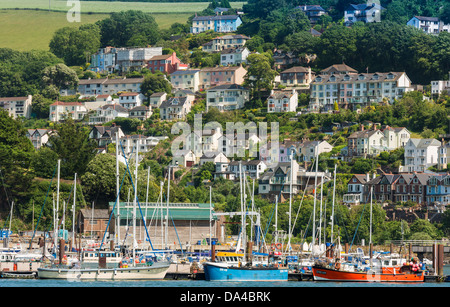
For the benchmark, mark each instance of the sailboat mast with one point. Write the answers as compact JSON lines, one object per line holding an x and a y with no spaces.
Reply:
{"x":210,"y":219}
{"x":167,"y":210}
{"x":320,"y":211}
{"x":73,"y":207}
{"x":57,"y":206}
{"x":276,"y":219}
{"x":332,"y":208}
{"x":242,"y":207}
{"x":161,"y":205}
{"x":315,"y":201}
{"x":370,"y":232}
{"x":290,"y":201}
{"x":134,"y":203}
{"x":117,"y":188}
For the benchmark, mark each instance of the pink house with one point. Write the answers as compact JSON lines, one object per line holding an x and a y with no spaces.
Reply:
{"x":167,"y":63}
{"x":214,"y":76}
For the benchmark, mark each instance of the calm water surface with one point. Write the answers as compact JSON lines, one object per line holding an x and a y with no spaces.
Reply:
{"x":6,"y":282}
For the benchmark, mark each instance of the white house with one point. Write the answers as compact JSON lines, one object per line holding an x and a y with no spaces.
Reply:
{"x":60,"y":110}
{"x":107,"y":113}
{"x":282,"y":101}
{"x":216,"y":157}
{"x":17,"y":106}
{"x":439,"y":86}
{"x":309,"y":149}
{"x":227,"y":97}
{"x":355,"y":189}
{"x":234,"y":56}
{"x":430,"y":25}
{"x":38,"y":137}
{"x":188,"y":79}
{"x":131,"y":100}
{"x":420,"y":154}
{"x":107,"y":86}
{"x":366,"y":12}
{"x":444,"y":156}
{"x":353,"y":90}
{"x":140,"y":112}
{"x":184,"y":158}
{"x":174,"y":108}
{"x":145,"y":143}
{"x":156,"y":99}
{"x":396,"y":137}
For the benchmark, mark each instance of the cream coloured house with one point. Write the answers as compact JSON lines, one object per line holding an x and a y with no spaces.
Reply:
{"x":227,"y":97}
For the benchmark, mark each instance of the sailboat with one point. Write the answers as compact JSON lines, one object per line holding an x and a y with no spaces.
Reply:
{"x":236,"y":266}
{"x":146,"y":270}
{"x":340,"y":271}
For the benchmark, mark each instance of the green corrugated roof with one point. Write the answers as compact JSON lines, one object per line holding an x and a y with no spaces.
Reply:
{"x":177,"y":211}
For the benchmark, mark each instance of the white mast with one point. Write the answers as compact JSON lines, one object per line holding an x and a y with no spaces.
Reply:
{"x":332,"y":209}
{"x":288,"y":247}
{"x":161,"y":202}
{"x":146,"y":200}
{"x":117,"y":188}
{"x":210,"y":219}
{"x":73,"y":207}
{"x":242,"y":206}
{"x":320,"y":210}
{"x":314,"y":207}
{"x":11,"y":215}
{"x":57,"y":206}
{"x":253,"y":208}
{"x":370,"y":233}
{"x":276,"y":219}
{"x":167,"y":210}
{"x":134,"y":203}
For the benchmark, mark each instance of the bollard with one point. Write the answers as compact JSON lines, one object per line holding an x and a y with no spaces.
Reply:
{"x":440,"y":257}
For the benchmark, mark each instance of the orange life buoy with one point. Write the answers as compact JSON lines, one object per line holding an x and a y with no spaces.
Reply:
{"x":278,"y":245}
{"x":337,"y":266}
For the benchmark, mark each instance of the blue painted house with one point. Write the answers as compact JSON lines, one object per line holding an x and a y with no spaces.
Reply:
{"x":438,"y":190}
{"x":216,"y":23}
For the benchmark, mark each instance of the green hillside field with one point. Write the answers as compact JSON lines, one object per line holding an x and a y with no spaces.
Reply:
{"x":27,"y":24}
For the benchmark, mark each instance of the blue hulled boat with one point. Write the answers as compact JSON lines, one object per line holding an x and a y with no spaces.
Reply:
{"x":231,"y":267}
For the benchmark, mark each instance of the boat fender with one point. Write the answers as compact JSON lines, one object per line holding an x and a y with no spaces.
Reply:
{"x":337,"y":266}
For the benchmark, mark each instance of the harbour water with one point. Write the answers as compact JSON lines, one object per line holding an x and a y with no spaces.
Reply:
{"x":7,"y":282}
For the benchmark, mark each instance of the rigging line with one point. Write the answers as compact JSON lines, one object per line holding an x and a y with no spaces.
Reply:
{"x":137,"y":200}
{"x":42,"y":208}
{"x":356,"y":230}
{"x":4,"y":187}
{"x":112,"y":211}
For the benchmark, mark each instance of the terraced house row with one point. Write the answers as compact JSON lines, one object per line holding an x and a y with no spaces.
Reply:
{"x":431,"y":190}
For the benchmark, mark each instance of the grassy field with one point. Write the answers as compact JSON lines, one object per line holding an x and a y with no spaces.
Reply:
{"x":24,"y":29}
{"x":107,"y":7}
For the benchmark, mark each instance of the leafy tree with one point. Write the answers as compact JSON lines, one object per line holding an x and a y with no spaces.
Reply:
{"x":127,"y":28}
{"x":41,"y":106}
{"x":72,"y":145}
{"x":259,"y":75}
{"x":16,"y":152}
{"x":76,"y":46}
{"x":154,"y":83}
{"x":99,"y":180}
{"x":60,"y":76}
{"x":44,"y":162}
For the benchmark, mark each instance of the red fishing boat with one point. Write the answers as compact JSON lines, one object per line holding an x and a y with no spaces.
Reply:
{"x":405,"y":273}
